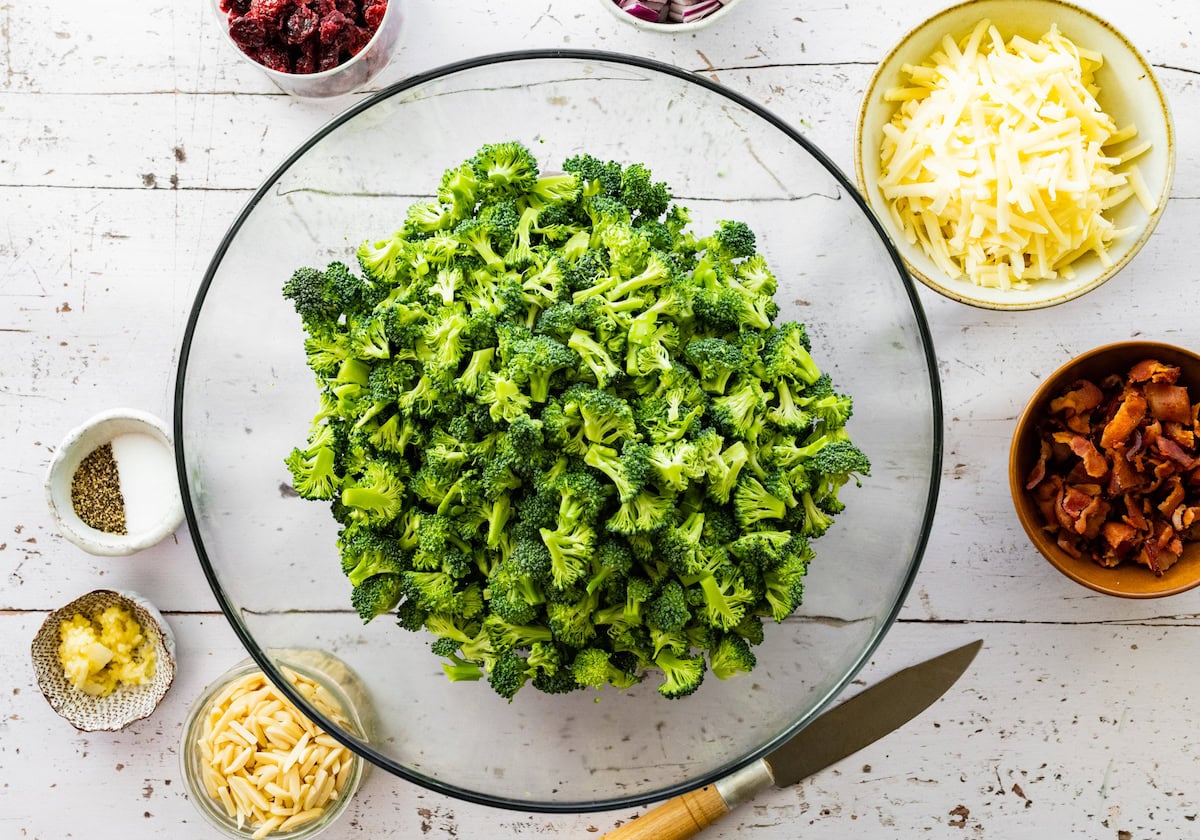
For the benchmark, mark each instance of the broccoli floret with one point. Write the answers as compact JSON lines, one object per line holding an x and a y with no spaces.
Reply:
{"x":755,"y":275}
{"x":571,"y":622}
{"x":593,"y":668}
{"x":570,"y":547}
{"x":641,"y":194}
{"x":738,"y":413}
{"x":715,"y":360}
{"x":595,"y":357}
{"x":733,"y":239}
{"x":312,"y":468}
{"x":784,"y":584}
{"x":460,"y":189}
{"x":725,"y":599}
{"x":507,"y":674}
{"x":322,"y":297}
{"x":607,"y":419}
{"x":377,"y":595}
{"x":411,"y":616}
{"x":834,"y":465}
{"x":669,"y":610}
{"x":682,"y":675}
{"x":643,"y":514}
{"x":629,"y":471}
{"x":535,"y":360}
{"x":730,"y":657}
{"x":597,"y":176}
{"x":366,"y":553}
{"x":787,"y":354}
{"x":507,"y":168}
{"x":611,"y":562}
{"x":753,"y":503}
{"x":375,"y":496}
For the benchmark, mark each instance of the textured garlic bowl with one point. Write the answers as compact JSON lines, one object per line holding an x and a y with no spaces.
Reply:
{"x":127,"y":703}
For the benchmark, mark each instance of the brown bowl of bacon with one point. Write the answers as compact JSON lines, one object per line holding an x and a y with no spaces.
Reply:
{"x":1105,"y":473}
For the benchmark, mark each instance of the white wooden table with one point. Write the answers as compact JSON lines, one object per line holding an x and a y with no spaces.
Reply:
{"x":129,"y":138}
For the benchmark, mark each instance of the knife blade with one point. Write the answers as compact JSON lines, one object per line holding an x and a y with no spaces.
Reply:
{"x":840,"y":732}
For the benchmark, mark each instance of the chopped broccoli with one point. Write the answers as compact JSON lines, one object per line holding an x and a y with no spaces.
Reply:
{"x":561,"y":432}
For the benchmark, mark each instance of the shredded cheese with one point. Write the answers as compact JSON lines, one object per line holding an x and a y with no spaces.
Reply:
{"x":268,"y":765}
{"x":1000,"y":163}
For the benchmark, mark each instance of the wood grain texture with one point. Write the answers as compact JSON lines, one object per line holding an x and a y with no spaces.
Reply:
{"x":129,"y":139}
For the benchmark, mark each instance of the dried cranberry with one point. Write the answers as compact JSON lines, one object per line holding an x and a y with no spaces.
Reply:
{"x":373,"y":14}
{"x":358,"y":38}
{"x":328,"y":56}
{"x":300,"y":25}
{"x":350,"y":8}
{"x":324,"y":7}
{"x":306,"y":57}
{"x":332,"y":25}
{"x":275,"y":58}
{"x":270,"y":10}
{"x":247,"y":32}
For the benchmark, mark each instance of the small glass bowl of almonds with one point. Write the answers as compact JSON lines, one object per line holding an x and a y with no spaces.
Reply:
{"x":256,"y":766}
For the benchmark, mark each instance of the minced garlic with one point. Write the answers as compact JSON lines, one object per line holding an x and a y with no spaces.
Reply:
{"x":99,"y":653}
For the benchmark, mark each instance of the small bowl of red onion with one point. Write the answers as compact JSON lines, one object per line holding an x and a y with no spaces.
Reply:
{"x":675,"y":16}
{"x":312,"y":48}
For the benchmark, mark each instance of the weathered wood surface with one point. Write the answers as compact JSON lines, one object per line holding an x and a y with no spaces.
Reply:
{"x":130,"y":136}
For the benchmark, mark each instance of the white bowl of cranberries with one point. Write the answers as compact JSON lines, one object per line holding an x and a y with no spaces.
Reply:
{"x":315,"y":48}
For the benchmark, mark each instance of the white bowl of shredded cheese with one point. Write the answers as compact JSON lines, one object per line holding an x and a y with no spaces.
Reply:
{"x":1018,"y":152}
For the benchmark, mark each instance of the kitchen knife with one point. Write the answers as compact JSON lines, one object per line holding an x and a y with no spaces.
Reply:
{"x":843,"y":730}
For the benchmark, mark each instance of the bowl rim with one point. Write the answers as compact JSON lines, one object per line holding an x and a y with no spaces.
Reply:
{"x":940,"y":285}
{"x":734,"y":763}
{"x":1023,"y":427}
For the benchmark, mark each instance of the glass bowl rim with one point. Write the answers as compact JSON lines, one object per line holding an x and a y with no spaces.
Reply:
{"x":391,"y":765}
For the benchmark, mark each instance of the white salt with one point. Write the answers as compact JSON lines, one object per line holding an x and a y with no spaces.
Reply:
{"x":146,"y":470}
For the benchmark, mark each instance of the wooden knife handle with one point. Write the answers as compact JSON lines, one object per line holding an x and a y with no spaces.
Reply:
{"x":675,"y":819}
{"x":691,"y":813}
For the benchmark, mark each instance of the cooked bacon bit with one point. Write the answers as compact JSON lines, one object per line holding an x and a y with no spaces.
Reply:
{"x":1039,"y":469}
{"x":1119,"y":535}
{"x":1181,"y":434}
{"x":1123,"y":477}
{"x":1093,"y":462}
{"x":1175,"y":452}
{"x":1152,"y":370}
{"x":1127,"y":419}
{"x":1185,"y":517}
{"x":1117,"y":476}
{"x":1169,"y":402}
{"x":1174,"y":497}
{"x":1076,"y":406}
{"x":1133,"y":513}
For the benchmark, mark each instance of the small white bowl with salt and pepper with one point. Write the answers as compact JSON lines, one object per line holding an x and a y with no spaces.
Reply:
{"x":112,"y":485}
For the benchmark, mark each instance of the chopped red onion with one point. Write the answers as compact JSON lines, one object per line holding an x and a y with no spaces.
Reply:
{"x":681,"y":13}
{"x":672,"y":11}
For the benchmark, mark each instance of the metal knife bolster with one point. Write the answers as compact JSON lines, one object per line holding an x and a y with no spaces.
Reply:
{"x":745,"y":784}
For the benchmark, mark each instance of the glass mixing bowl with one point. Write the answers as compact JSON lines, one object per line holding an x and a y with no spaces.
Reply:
{"x":244,"y":397}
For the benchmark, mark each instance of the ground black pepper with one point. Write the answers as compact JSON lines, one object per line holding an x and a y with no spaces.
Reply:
{"x":96,"y":491}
